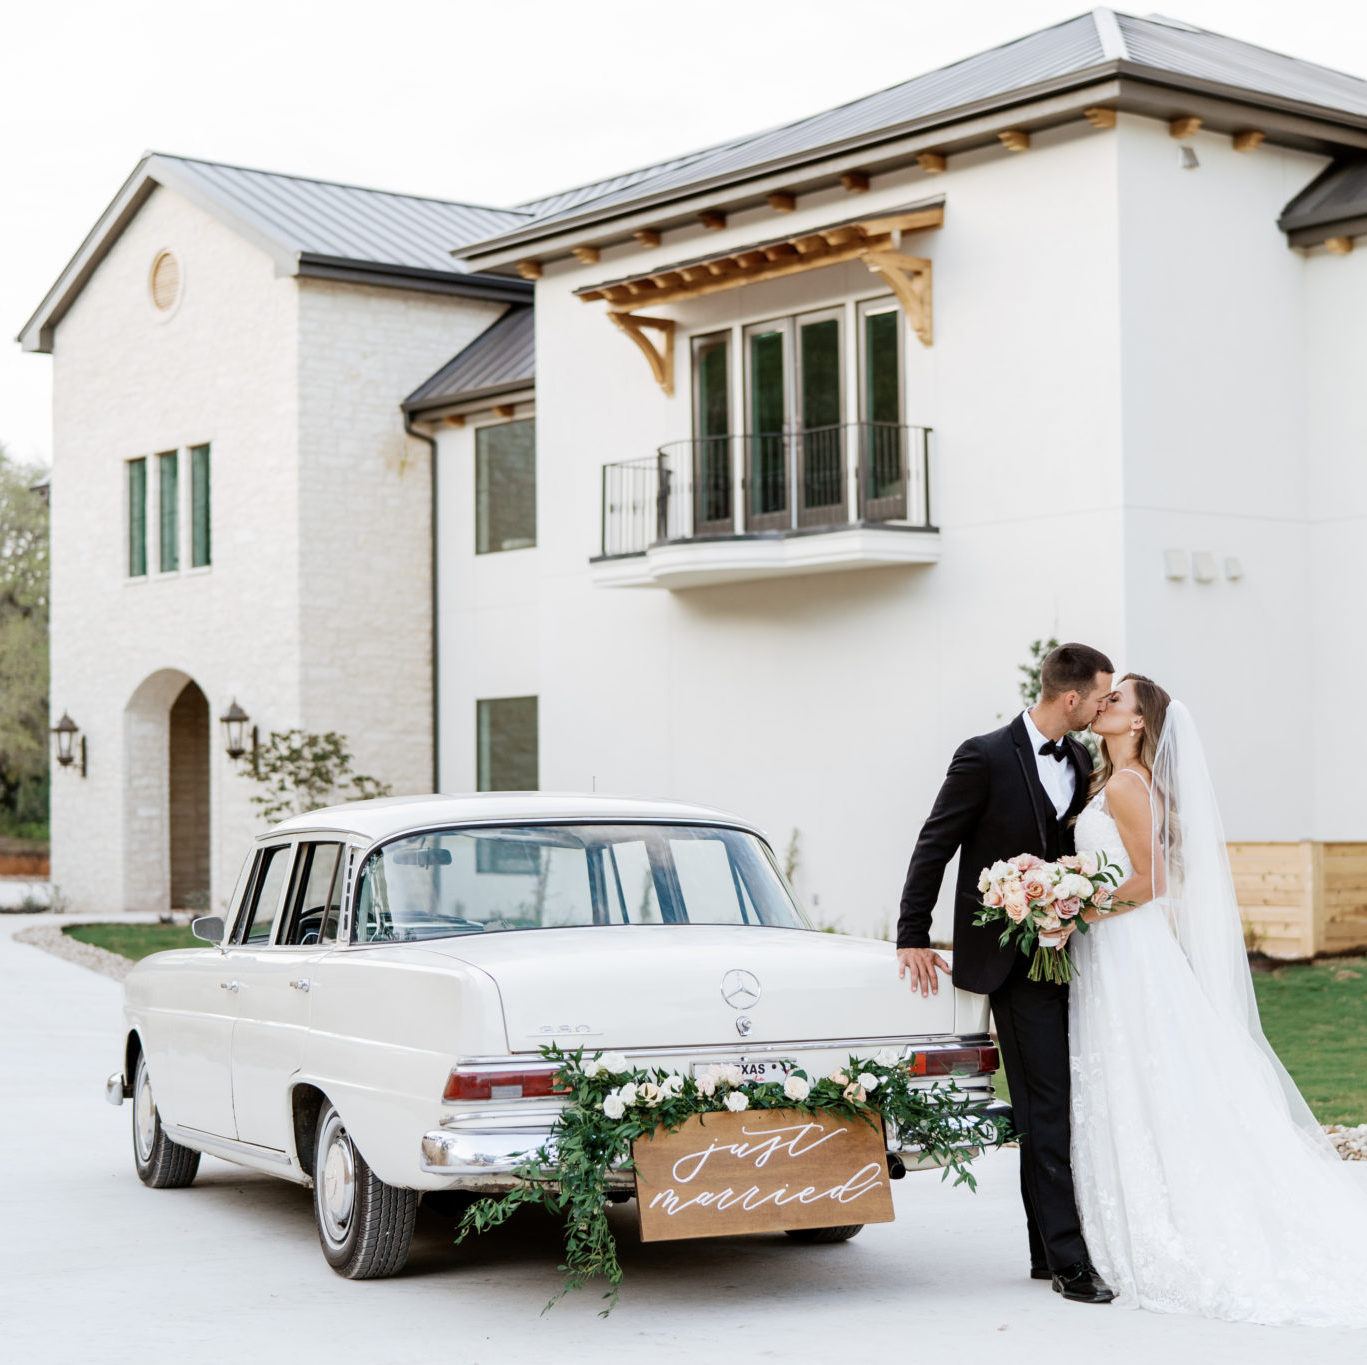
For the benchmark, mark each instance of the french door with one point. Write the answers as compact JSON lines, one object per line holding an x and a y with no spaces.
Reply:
{"x":794,"y":452}
{"x":713,"y":512}
{"x":883,"y":466}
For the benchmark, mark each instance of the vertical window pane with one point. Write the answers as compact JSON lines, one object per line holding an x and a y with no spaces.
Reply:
{"x":168,"y":492}
{"x":508,"y":743}
{"x":712,"y":426}
{"x":270,"y":886}
{"x":137,"y":518}
{"x":714,"y":397}
{"x":505,"y":487}
{"x":883,"y":395}
{"x":199,"y":506}
{"x":821,"y":374}
{"x":768,"y":404}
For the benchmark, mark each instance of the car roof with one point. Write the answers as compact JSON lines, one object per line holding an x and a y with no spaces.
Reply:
{"x":390,"y":815}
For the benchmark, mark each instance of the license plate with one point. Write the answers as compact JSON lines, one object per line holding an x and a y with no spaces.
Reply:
{"x":752,"y":1071}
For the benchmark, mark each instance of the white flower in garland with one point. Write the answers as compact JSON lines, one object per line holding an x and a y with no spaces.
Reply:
{"x":868,"y":1080}
{"x":613,"y":1061}
{"x":628,"y":1093}
{"x":613,"y":1106}
{"x":797,"y":1087}
{"x":736,"y":1101}
{"x":672,"y":1085}
{"x":887,"y":1056}
{"x":707,"y":1085}
{"x":649,"y":1094}
{"x":732,"y":1074}
{"x":592,"y":1067}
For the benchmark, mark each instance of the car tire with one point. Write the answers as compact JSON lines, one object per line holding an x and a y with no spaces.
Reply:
{"x":815,"y":1235}
{"x":365,"y":1227}
{"x":162,"y":1164}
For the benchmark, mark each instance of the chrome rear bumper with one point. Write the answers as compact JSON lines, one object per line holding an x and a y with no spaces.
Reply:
{"x":489,"y":1160}
{"x":116,"y":1089}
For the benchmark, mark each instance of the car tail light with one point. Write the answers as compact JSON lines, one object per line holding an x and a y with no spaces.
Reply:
{"x":502,"y":1085}
{"x":966,"y":1061}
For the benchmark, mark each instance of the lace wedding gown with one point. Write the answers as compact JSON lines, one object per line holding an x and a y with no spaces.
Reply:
{"x":1197,"y":1191}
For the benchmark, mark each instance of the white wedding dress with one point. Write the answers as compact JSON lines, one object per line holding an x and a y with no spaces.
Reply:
{"x":1200,"y":1184}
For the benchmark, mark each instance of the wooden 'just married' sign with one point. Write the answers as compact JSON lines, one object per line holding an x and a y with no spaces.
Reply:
{"x":762,"y":1170}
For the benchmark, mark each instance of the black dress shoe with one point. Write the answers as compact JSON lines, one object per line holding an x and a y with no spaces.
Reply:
{"x":1041,"y":1272}
{"x":1082,"y":1284}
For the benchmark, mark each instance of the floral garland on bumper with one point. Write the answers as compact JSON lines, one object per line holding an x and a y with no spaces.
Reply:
{"x":609,"y":1104}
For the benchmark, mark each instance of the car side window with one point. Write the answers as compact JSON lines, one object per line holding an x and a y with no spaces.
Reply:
{"x":315,"y":895}
{"x":266,"y":896}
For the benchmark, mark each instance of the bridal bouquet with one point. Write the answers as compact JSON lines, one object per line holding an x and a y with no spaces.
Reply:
{"x":1036,"y":899}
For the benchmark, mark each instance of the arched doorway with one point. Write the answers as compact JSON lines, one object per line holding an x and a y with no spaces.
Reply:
{"x":166,"y":794}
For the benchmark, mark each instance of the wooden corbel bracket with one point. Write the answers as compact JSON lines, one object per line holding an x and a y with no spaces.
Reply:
{"x":909,"y":279}
{"x":659,"y":357}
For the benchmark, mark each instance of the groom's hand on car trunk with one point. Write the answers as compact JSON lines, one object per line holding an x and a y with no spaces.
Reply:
{"x":922,"y":963}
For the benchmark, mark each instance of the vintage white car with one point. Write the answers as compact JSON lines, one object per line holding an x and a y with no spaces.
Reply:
{"x":369,"y":1019}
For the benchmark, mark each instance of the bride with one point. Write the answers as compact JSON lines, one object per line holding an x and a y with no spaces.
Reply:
{"x":1203,"y":1182}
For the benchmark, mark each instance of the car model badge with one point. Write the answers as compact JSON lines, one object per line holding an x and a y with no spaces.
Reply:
{"x":740,"y":989}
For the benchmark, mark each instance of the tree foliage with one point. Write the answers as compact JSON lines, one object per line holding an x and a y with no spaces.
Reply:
{"x":23,"y":645}
{"x":299,"y":771}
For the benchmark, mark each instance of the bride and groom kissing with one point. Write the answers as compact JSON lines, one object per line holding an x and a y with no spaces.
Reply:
{"x":1166,"y":1157}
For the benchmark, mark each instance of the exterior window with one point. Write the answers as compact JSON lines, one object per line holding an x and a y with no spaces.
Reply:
{"x":507,"y":742}
{"x":137,"y":518}
{"x":267,"y":894}
{"x":199,"y":507}
{"x":316,"y":904}
{"x":882,"y":454}
{"x":712,"y":427}
{"x":169,"y":502}
{"x":505,"y":487}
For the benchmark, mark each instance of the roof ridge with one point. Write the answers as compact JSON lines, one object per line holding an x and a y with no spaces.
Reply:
{"x":335,"y":184}
{"x":1109,"y":34}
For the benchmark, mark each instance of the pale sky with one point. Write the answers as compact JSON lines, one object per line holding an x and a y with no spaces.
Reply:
{"x":488,"y":103}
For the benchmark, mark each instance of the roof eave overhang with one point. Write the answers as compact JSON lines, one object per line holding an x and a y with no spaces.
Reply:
{"x":1308,"y":234}
{"x":494,"y":288}
{"x":1124,"y":85}
{"x":472,"y":401}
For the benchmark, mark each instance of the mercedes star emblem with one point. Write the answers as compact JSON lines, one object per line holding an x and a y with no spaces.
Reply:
{"x":740,"y":989}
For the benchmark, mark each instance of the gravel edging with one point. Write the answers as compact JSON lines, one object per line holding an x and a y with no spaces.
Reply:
{"x":1351,"y":1143}
{"x":51,"y":939}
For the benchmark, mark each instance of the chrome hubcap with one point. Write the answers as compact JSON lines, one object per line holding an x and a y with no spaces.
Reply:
{"x":144,"y":1115}
{"x":337,"y":1182}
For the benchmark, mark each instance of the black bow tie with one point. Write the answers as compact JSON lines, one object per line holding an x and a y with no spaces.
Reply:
{"x":1055,"y":748}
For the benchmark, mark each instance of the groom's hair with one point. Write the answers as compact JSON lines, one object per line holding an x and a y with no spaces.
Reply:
{"x":1071,"y":668}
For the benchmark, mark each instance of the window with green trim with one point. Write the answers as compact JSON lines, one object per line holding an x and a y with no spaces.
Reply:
{"x":199,"y":507}
{"x":137,"y":518}
{"x":168,"y":492}
{"x":507,"y":743}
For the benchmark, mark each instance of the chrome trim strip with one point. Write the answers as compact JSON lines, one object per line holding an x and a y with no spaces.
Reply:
{"x":229,"y":1148}
{"x":925,"y":1042}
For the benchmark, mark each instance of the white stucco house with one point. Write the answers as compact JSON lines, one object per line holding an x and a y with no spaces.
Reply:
{"x":759,"y":493}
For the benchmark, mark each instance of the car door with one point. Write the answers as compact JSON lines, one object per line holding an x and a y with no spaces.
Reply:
{"x":276,"y":975}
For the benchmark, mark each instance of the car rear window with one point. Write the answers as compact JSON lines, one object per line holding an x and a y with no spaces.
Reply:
{"x":518,"y":877}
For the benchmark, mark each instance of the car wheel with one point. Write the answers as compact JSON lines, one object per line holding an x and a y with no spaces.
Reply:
{"x":364,"y":1225}
{"x":161,"y":1163}
{"x":842,"y":1234}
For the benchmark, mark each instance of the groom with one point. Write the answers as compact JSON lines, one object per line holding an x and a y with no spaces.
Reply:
{"x":1017,"y":790}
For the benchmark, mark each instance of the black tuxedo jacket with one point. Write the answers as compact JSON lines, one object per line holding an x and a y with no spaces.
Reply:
{"x":992,"y":805}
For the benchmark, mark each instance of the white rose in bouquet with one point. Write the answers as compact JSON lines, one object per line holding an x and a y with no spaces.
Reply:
{"x":649,"y":1094}
{"x":613,"y":1061}
{"x":868,"y":1080}
{"x":887,"y":1056}
{"x":628,"y":1093}
{"x":613,"y":1106}
{"x":592,"y":1067}
{"x":672,"y":1085}
{"x":1074,"y":884}
{"x":796,"y":1087}
{"x":1087,"y":864}
{"x":736,"y":1101}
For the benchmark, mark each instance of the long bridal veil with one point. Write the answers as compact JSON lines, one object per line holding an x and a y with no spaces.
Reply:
{"x":1197,"y":889}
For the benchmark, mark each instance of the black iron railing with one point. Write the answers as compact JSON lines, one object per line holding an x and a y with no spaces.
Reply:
{"x":815,"y":479}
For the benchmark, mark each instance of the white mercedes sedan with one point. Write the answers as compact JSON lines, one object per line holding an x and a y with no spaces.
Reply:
{"x":369,"y":1018}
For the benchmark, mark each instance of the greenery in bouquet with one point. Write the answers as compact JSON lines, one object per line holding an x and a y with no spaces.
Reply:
{"x":609,"y":1104}
{"x":1038,"y":900}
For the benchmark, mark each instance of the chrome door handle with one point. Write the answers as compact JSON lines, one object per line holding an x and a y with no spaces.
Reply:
{"x":301,"y":985}
{"x":228,"y":985}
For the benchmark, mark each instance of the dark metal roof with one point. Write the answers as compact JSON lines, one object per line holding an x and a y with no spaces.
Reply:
{"x":1074,"y":53}
{"x":1333,"y":204}
{"x":308,"y":227}
{"x":501,"y":359}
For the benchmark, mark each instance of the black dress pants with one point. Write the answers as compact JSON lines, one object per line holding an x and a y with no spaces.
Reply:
{"x":1032,"y":1028}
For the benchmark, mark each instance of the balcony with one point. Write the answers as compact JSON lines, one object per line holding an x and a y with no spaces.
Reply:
{"x":725,"y":509}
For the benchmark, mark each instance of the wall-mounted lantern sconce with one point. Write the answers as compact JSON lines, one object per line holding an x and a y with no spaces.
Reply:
{"x":237,"y":739}
{"x":68,"y":751}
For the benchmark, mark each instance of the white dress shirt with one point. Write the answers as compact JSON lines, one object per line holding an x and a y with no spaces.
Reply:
{"x":1059,"y":779}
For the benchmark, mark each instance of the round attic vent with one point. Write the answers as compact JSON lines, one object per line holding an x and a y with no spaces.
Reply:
{"x":165,"y":281}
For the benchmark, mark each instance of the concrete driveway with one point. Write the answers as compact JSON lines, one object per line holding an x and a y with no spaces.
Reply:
{"x":97,"y":1268}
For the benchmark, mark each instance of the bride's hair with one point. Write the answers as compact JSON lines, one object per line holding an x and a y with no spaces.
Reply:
{"x":1151,"y":702}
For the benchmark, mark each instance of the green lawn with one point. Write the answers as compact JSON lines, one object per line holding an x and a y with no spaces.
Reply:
{"x":135,"y":940}
{"x":1316,"y":1018}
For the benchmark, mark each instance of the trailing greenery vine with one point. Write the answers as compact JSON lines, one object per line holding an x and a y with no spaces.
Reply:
{"x":609,"y":1104}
